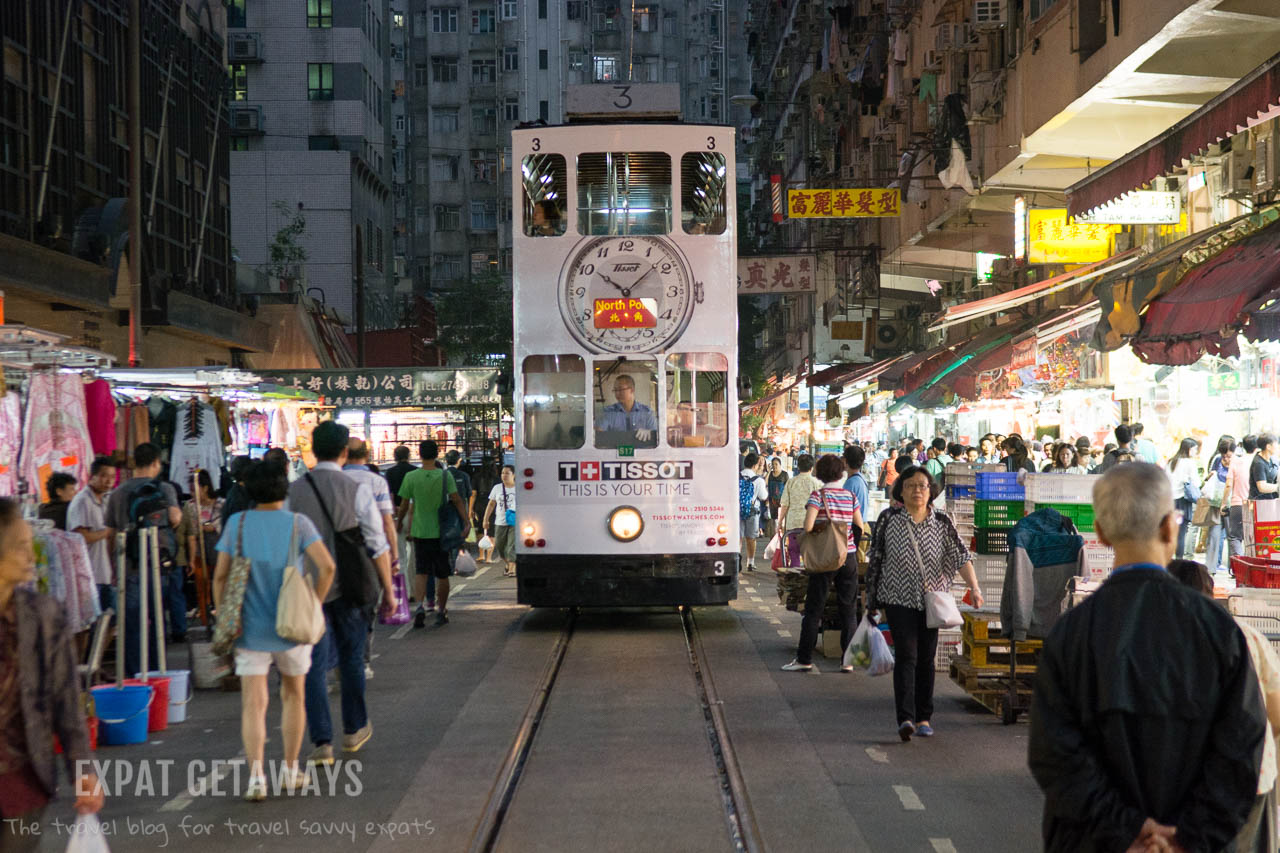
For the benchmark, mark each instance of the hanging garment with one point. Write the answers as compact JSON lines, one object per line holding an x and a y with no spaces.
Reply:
{"x":100,"y":409}
{"x":225,"y":423}
{"x":10,"y":443}
{"x":1045,"y":552}
{"x":55,"y":436}
{"x":197,"y":444}
{"x":164,"y":415}
{"x":63,"y":571}
{"x":284,"y":427}
{"x":256,"y":430}
{"x":957,"y":172}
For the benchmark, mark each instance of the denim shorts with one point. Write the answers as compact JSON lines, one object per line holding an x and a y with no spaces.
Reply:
{"x":750,"y":527}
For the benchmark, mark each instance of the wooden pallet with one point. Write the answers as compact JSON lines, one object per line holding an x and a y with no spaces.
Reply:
{"x":995,"y":654}
{"x":990,"y":691}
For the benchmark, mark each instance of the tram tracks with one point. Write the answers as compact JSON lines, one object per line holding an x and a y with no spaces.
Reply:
{"x":743,"y":833}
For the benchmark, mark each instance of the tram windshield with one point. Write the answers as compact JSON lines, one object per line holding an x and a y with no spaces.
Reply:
{"x":545,"y":180}
{"x":703,"y":175}
{"x":555,"y":407}
{"x":626,"y":401}
{"x":624,"y":193}
{"x":697,"y":410}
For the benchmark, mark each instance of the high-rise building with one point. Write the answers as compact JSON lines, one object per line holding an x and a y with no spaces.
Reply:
{"x":311,"y":128}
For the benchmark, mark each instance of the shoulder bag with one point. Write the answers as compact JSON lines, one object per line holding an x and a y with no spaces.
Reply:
{"x":510,"y":514}
{"x":940,"y":610}
{"x":357,"y":578}
{"x":449,"y":521}
{"x":824,"y":548}
{"x":299,"y":614}
{"x":230,"y":626}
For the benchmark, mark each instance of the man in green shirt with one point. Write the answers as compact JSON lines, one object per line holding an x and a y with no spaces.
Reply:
{"x":423,"y":494}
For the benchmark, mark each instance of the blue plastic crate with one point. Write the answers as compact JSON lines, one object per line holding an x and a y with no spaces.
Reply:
{"x":965,"y":491}
{"x":999,"y":486}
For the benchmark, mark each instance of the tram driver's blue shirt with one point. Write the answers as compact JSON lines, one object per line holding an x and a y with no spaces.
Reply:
{"x":616,"y":418}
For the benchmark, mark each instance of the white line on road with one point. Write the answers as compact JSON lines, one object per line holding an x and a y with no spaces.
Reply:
{"x":460,"y":587}
{"x":774,"y":620}
{"x":783,"y":633}
{"x":757,"y":598}
{"x":910,"y":801}
{"x":480,"y":572}
{"x":198,"y":788}
{"x":942,"y":845}
{"x":401,"y":631}
{"x":879,"y":756}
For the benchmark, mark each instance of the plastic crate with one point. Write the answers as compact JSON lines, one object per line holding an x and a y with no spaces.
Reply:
{"x":1099,"y":559}
{"x":991,"y":540}
{"x":948,"y":649}
{"x":955,"y":490}
{"x":999,"y":486}
{"x":1080,"y":514}
{"x":997,"y":513}
{"x":990,"y":569}
{"x":1060,"y":488}
{"x":1255,"y":572}
{"x":960,"y":508}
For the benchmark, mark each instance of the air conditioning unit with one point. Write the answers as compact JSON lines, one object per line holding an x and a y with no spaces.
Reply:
{"x":245,"y":47}
{"x":1239,"y":165}
{"x":990,"y":13}
{"x":246,"y":120}
{"x":933,"y":60}
{"x":1266,"y":156}
{"x":890,"y":336}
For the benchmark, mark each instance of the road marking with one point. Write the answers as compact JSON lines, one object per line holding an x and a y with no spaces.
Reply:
{"x":460,"y":587}
{"x":401,"y":631}
{"x":198,"y":788}
{"x":942,"y":845}
{"x":774,"y":620}
{"x":879,"y":756}
{"x":480,"y":572}
{"x":757,"y":598}
{"x":910,"y":801}
{"x":783,"y":633}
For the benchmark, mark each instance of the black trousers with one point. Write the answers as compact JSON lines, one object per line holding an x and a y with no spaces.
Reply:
{"x":915,"y":645}
{"x":815,"y":602}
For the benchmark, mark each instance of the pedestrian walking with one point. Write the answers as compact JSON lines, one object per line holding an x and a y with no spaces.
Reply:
{"x":39,"y":695}
{"x":425,"y":492}
{"x":753,"y":494}
{"x":888,"y":471}
{"x":794,"y":506}
{"x":201,"y":525}
{"x":1237,"y":493}
{"x":502,"y":510}
{"x":339,"y":506}
{"x":1018,"y":457}
{"x":776,"y":485}
{"x":1151,"y":740}
{"x":61,"y":488}
{"x":1263,"y":470}
{"x":1213,"y":505}
{"x":1144,"y":449}
{"x":359,"y":469}
{"x":466,"y":490}
{"x":830,"y":503}
{"x":237,"y":499}
{"x":855,"y":482}
{"x":1185,"y":479}
{"x":274,"y":540}
{"x":87,"y":515}
{"x":404,"y":543}
{"x":915,"y":550}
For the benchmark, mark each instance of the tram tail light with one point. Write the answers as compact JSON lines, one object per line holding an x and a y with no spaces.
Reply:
{"x":711,"y":540}
{"x":528,"y":484}
{"x":724,"y":528}
{"x":542,"y":543}
{"x":528,"y":530}
{"x":626,"y":523}
{"x":528,"y":543}
{"x":528,"y":472}
{"x":724,"y":541}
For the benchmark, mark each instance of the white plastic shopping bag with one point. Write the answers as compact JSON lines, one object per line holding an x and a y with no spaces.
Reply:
{"x":868,"y":649}
{"x":485,"y":543}
{"x":465,"y":565}
{"x":771,"y":549}
{"x":881,"y":655}
{"x":87,"y":836}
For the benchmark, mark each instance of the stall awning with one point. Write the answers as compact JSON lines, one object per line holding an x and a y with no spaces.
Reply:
{"x":857,"y":373}
{"x":1250,"y":100}
{"x":831,"y":374}
{"x":895,"y":375}
{"x":1005,"y":301}
{"x":773,"y":395}
{"x":1210,"y":305}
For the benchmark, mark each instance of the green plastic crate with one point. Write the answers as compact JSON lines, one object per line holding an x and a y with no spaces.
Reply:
{"x":991,"y":540}
{"x":1080,"y":514}
{"x":997,"y":513}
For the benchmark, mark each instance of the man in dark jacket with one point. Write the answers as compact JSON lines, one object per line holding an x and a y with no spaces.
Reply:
{"x":1147,"y":721}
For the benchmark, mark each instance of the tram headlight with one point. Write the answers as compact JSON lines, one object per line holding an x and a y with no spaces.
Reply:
{"x":625,"y":523}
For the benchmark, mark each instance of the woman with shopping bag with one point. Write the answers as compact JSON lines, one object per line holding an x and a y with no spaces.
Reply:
{"x":832,"y":525}
{"x":1210,"y":508}
{"x":915,"y":555}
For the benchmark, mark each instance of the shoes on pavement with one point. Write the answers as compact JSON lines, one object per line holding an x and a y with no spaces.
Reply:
{"x":322,"y":754}
{"x":420,"y":619}
{"x":353,"y":742}
{"x":924,"y":730}
{"x":294,"y":782}
{"x":442,"y":618}
{"x":368,"y":672}
{"x":257,"y":790}
{"x":906,"y":730}
{"x":431,"y":606}
{"x":846,"y":668}
{"x":796,"y":666}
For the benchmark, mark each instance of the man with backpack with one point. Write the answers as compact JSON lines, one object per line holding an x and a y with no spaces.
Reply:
{"x":752,"y":493}
{"x":143,"y":502}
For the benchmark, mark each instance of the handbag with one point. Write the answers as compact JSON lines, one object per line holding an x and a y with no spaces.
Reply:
{"x":1201,"y":516}
{"x":299,"y":614}
{"x":398,"y":615}
{"x":357,"y":579}
{"x":510,"y":513}
{"x":824,"y":548}
{"x":940,"y":610}
{"x":1190,"y":491}
{"x":449,"y":520}
{"x":230,"y":626}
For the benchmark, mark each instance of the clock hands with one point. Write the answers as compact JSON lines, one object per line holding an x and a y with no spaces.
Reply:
{"x":626,"y":291}
{"x":653,"y":267}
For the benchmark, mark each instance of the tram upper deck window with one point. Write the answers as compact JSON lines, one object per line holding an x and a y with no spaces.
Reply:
{"x":545,"y":180}
{"x":626,"y":400}
{"x":703,"y":177}
{"x":697,"y":407}
{"x":624,"y":193}
{"x":555,"y":402}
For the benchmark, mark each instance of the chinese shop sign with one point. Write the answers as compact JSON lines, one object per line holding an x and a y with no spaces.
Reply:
{"x":842,"y":203}
{"x":388,"y":388}
{"x":778,"y":274}
{"x":1055,"y":240}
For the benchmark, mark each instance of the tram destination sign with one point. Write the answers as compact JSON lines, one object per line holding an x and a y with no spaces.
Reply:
{"x":387,"y":388}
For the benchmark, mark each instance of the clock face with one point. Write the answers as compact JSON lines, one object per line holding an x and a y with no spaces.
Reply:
{"x":626,"y":294}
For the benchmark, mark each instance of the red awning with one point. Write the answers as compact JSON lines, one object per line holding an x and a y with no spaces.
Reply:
{"x":1237,"y":108}
{"x":770,"y":397}
{"x":830,"y":374}
{"x":858,"y":373}
{"x":1207,"y":309}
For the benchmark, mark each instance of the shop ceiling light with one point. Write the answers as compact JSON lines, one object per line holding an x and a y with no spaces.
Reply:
{"x":626,"y":524}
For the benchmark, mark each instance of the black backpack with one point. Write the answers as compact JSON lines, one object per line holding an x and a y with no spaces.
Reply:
{"x":149,"y":507}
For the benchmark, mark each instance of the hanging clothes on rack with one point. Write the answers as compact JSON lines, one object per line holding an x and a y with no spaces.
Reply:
{"x":256,"y":429}
{"x":63,"y":571}
{"x":225,"y":421}
{"x":100,"y":410}
{"x":164,"y":424}
{"x":133,"y":427}
{"x":198,"y":444}
{"x":55,"y":436}
{"x":284,"y":427}
{"x":10,"y":442}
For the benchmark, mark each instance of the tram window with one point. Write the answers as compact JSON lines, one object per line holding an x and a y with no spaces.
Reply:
{"x":703,"y":176}
{"x":545,"y":179}
{"x":697,"y":411}
{"x":624,"y":193}
{"x":626,"y":402}
{"x":555,"y":402}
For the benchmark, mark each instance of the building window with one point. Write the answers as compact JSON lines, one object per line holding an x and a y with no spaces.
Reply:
{"x":511,"y":109}
{"x":397,"y":20}
{"x":419,"y":24}
{"x":542,"y":60}
{"x":444,"y":167}
{"x":448,"y":217}
{"x":400,"y":123}
{"x":444,"y":19}
{"x":444,"y":69}
{"x":484,"y":119}
{"x":645,"y":19}
{"x":483,"y":167}
{"x":320,"y":13}
{"x":236,"y":13}
{"x":669,"y":25}
{"x":574,"y":10}
{"x":511,"y":59}
{"x":444,"y":119}
{"x":483,"y":262}
{"x":322,"y":143}
{"x":420,"y":220}
{"x":542,"y":9}
{"x":239,"y":81}
{"x":544,"y":110}
{"x":577,"y":61}
{"x":239,"y":143}
{"x":606,"y":69}
{"x":446,"y":268}
{"x":648,"y":69}
{"x":421,"y":74}
{"x":1039,"y":7}
{"x":484,"y":216}
{"x":482,"y":21}
{"x":319,"y":81}
{"x":483,"y":70}
{"x":509,"y":9}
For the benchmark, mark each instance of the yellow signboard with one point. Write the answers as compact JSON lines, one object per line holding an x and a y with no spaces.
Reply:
{"x":842,"y":203}
{"x":1054,"y":240}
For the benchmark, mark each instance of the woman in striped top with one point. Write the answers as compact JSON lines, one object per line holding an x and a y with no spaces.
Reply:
{"x":830,"y":503}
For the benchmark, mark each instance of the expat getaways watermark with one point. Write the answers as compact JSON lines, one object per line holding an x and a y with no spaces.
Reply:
{"x":166,"y":777}
{"x":160,"y":833}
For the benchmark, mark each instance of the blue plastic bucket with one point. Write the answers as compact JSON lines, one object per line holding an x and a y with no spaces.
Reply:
{"x":179,"y":691}
{"x":122,"y":713}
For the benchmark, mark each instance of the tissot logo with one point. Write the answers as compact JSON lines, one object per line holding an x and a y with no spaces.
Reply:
{"x":615,"y":471}
{"x":626,"y":267}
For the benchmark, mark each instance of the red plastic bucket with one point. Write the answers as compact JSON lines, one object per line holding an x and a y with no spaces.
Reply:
{"x":158,"y":718}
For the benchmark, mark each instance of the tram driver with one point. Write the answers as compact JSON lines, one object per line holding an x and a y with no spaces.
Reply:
{"x":627,"y":419}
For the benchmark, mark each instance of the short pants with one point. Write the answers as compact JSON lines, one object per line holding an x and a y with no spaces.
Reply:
{"x":750,"y":527}
{"x":294,"y":661}
{"x":428,"y":559}
{"x":504,"y":542}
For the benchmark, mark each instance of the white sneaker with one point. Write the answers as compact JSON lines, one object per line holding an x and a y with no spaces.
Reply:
{"x":368,"y":672}
{"x":257,"y":790}
{"x":796,"y":666}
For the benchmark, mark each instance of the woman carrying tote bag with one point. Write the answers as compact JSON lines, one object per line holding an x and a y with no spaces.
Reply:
{"x":915,"y":551}
{"x":830,"y":507}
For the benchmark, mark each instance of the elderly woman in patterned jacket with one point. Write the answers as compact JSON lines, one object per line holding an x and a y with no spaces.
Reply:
{"x":915,"y":548}
{"x":39,"y":695}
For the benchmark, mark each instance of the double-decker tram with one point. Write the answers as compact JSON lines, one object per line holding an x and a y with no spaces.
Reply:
{"x":625,"y":361}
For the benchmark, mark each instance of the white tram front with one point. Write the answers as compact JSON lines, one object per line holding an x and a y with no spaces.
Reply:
{"x":625,"y":364}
